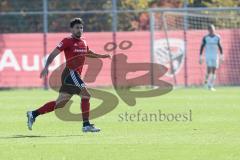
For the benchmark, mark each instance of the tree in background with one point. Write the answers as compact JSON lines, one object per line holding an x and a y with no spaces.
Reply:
{"x":95,"y":22}
{"x":214,"y":3}
{"x":218,"y":3}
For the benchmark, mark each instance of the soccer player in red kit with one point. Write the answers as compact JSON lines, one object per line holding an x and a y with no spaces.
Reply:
{"x":75,"y":49}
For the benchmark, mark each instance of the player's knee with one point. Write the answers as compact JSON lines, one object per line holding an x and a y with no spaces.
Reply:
{"x":61,"y":104}
{"x":62,"y":101}
{"x":85,"y":94}
{"x":213,"y":70}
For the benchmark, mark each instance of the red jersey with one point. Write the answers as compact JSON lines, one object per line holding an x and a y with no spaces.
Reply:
{"x":75,"y":51}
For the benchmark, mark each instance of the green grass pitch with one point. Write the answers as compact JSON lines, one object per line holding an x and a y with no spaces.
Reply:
{"x":213,"y":133}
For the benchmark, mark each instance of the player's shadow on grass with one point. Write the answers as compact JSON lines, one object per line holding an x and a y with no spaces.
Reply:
{"x":35,"y":136}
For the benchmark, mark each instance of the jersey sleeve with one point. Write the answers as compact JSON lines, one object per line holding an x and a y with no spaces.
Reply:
{"x":87,"y":49}
{"x":86,"y":44}
{"x":219,"y":39}
{"x":204,"y":40}
{"x":62,"y":45}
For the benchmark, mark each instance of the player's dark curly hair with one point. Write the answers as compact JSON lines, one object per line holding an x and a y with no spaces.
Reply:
{"x":75,"y":21}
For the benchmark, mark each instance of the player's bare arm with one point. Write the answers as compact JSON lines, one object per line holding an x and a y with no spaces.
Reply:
{"x":201,"y":51}
{"x":92,"y":54}
{"x":51,"y":57}
{"x":221,"y":51}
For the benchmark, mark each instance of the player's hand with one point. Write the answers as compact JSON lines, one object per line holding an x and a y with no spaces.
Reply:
{"x":200,"y":60}
{"x":44,"y":72}
{"x":221,"y":59}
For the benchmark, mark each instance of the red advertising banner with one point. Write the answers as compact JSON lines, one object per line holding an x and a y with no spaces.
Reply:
{"x":21,"y":56}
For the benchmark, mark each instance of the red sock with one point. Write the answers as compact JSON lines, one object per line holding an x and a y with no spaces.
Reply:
{"x":48,"y":107}
{"x":85,"y":106}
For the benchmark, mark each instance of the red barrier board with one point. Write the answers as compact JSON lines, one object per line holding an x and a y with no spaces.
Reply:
{"x":21,"y":56}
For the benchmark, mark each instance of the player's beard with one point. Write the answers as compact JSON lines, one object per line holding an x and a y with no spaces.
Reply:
{"x":78,"y":35}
